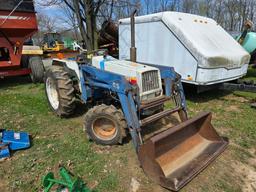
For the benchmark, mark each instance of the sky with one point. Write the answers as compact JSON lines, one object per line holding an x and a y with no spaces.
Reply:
{"x":50,"y":10}
{"x":54,"y":12}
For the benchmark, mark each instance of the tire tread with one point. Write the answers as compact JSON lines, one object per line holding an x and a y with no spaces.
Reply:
{"x":111,"y":111}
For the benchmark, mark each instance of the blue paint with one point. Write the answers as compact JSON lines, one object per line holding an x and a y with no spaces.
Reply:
{"x":11,"y":141}
{"x":102,"y":64}
{"x":16,"y":140}
{"x":4,"y":151}
{"x":170,"y":77}
{"x":98,"y":79}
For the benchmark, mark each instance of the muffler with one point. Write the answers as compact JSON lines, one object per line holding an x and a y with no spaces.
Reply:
{"x":175,"y":156}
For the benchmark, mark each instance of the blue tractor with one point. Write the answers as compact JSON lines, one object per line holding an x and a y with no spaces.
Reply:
{"x":125,"y":97}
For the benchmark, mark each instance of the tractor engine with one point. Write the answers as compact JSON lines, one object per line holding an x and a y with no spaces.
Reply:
{"x":146,"y":77}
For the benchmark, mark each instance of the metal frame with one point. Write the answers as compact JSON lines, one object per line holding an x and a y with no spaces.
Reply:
{"x":15,"y":27}
{"x":91,"y":77}
{"x":15,"y":72}
{"x":238,"y":87}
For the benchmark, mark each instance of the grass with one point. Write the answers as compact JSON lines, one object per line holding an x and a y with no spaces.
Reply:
{"x":57,"y":141}
{"x":224,"y":186}
{"x":251,"y":74}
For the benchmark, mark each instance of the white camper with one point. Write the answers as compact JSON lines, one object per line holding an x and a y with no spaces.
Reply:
{"x":197,"y":47}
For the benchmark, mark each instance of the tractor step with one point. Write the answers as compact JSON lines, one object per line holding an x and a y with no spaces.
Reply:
{"x":154,"y":102}
{"x":158,"y":116}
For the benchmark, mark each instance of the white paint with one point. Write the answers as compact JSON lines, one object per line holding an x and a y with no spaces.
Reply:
{"x":74,"y":66}
{"x":189,"y":43}
{"x":128,"y":69}
{"x":14,"y":17}
{"x":52,"y":93}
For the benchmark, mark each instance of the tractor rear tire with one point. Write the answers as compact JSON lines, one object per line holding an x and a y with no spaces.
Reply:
{"x":60,"y":91}
{"x":35,"y":63}
{"x":105,"y":124}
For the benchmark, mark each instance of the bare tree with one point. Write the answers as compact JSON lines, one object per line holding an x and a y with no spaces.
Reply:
{"x":88,"y":15}
{"x":164,"y":5}
{"x":70,"y":20}
{"x":188,"y":5}
{"x":46,"y":23}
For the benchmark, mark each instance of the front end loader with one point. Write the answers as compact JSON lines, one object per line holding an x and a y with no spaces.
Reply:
{"x":124,"y":97}
{"x":52,"y":42}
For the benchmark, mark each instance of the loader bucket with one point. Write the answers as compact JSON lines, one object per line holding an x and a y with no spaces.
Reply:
{"x":175,"y":156}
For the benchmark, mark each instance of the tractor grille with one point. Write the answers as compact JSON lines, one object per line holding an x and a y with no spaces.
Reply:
{"x":150,"y":80}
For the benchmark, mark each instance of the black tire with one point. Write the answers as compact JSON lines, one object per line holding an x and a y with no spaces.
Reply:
{"x":24,"y":61}
{"x":35,"y":63}
{"x":105,"y":114}
{"x":57,"y":79}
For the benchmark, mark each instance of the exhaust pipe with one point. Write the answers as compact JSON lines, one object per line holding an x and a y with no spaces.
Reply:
{"x":133,"y":56}
{"x":175,"y":156}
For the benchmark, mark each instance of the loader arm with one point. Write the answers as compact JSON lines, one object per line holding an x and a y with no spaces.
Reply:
{"x":174,"y":89}
{"x":93,"y":77}
{"x":175,"y":156}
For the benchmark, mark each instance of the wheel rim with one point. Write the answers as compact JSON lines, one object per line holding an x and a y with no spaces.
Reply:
{"x":52,"y":93}
{"x":104,"y":128}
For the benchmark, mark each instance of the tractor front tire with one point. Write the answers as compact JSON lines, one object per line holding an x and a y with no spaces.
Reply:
{"x":35,"y":63}
{"x":105,"y":124}
{"x":60,"y":91}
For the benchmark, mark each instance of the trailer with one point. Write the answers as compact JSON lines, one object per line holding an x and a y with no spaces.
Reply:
{"x":197,"y":47}
{"x":17,"y":24}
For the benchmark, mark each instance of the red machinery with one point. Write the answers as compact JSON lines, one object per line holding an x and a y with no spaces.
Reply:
{"x":17,"y":24}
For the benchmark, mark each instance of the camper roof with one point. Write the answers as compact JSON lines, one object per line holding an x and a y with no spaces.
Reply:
{"x":203,"y":36}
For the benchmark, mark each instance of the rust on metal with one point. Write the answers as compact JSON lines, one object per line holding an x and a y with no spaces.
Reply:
{"x":108,"y":33}
{"x":104,"y":128}
{"x":158,"y":116}
{"x":133,"y":48}
{"x":154,"y":102}
{"x":175,"y":156}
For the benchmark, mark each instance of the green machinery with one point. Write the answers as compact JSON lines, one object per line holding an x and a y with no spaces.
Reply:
{"x":68,"y":43}
{"x":248,"y":40}
{"x":67,"y":182}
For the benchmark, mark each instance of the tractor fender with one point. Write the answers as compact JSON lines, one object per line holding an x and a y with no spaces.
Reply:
{"x":71,"y":67}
